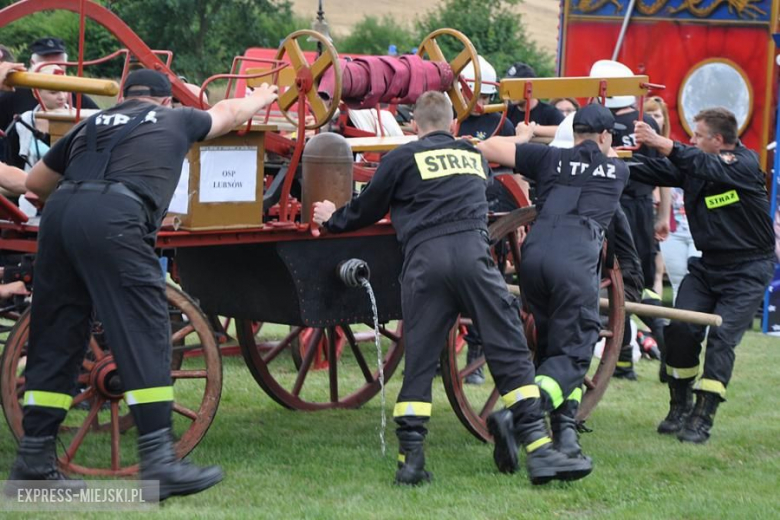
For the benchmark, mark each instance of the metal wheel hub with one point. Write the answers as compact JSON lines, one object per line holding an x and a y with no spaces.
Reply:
{"x":105,"y":379}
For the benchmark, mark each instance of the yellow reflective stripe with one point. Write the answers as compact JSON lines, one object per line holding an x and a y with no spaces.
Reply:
{"x":724,"y":199}
{"x":441,"y":163}
{"x":538,"y":443}
{"x":149,"y":395}
{"x":625,"y":364}
{"x":649,"y":294}
{"x":518,"y":394}
{"x":553,"y":389}
{"x":576,"y":395}
{"x":412,"y":408}
{"x":682,"y":373}
{"x":712,"y":386}
{"x":47,"y":399}
{"x":402,"y":458}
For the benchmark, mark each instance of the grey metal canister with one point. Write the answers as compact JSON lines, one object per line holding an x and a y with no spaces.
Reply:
{"x":327,"y":172}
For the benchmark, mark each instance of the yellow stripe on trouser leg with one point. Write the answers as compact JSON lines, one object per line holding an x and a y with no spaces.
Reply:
{"x":712,"y":386}
{"x":402,"y":458}
{"x":47,"y":399}
{"x":625,"y":364}
{"x":649,"y":294}
{"x":552,"y":388}
{"x":682,"y":373}
{"x":518,"y":394}
{"x":538,"y":443}
{"x":158,"y":394}
{"x":576,"y":395}
{"x":412,"y":408}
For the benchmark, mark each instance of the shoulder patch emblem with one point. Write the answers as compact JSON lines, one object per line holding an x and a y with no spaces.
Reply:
{"x":728,"y":158}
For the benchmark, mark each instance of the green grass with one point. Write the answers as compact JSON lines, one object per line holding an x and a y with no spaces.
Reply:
{"x":284,"y":464}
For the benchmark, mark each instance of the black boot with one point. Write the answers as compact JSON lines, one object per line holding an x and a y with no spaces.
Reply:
{"x":478,"y":376}
{"x":501,"y":425}
{"x":36,"y":459}
{"x":176,"y":477}
{"x":411,"y":459}
{"x":680,"y":406}
{"x":697,"y":427}
{"x":524,"y":424}
{"x":625,"y":364}
{"x":625,"y":370}
{"x":563,"y":424}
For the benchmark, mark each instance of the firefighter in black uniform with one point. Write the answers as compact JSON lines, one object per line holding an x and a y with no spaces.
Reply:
{"x":107,"y":184}
{"x":435,"y":191}
{"x":578,"y":193}
{"x":637,"y":204}
{"x":728,"y":211}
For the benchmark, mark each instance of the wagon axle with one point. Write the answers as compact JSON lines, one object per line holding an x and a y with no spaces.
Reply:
{"x":105,"y":378}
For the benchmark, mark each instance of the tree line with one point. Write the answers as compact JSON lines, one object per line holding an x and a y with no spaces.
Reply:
{"x":205,"y":35}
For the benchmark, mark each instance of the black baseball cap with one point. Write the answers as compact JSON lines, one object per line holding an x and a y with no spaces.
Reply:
{"x":595,"y":118}
{"x":48,"y":45}
{"x":520,"y":70}
{"x":157,"y":84}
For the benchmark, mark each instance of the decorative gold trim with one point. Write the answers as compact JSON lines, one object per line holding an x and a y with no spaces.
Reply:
{"x":680,"y":110}
{"x":769,"y":95}
{"x":702,"y":21}
{"x":563,"y":35}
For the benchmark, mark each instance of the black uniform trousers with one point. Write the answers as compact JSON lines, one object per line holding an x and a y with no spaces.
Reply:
{"x":96,"y":250}
{"x":443,"y":277}
{"x":639,"y":212}
{"x":732,"y":291}
{"x":559,"y":275}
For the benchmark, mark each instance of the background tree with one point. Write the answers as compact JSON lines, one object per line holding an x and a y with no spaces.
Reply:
{"x":374,"y":35}
{"x":496,"y":31}
{"x":204,"y":35}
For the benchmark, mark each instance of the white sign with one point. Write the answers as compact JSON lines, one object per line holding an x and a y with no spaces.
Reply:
{"x":181,"y":198}
{"x":228,"y":173}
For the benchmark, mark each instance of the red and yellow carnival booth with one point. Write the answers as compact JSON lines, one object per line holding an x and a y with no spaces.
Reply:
{"x":706,"y":52}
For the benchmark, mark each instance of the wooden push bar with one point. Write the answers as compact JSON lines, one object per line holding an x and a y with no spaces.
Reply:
{"x":654,"y":311}
{"x":576,"y":87}
{"x":98,"y":87}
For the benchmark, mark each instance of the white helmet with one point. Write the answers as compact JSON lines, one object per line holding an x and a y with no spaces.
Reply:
{"x":564,"y":134}
{"x":488,"y":75}
{"x":613,"y":69}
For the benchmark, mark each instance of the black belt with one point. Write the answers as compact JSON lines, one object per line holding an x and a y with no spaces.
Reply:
{"x":103,"y":187}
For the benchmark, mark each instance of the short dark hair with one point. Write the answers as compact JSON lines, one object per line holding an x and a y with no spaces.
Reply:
{"x":433,"y":111}
{"x":6,"y":54}
{"x":720,"y":121}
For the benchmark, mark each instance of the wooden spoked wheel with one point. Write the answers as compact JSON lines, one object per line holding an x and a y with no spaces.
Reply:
{"x":97,"y":435}
{"x":429,"y":48}
{"x":322,"y":352}
{"x":307,"y":78}
{"x":348,"y":383}
{"x":472,"y":404}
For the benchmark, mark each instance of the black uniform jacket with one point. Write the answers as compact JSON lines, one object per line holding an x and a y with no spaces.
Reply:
{"x":600,"y":196}
{"x":725,"y":200}
{"x":432,"y":187}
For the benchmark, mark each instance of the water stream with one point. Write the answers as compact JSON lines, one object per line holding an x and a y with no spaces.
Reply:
{"x":380,"y":365}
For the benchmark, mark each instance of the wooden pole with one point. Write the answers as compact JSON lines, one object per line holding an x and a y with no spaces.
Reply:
{"x":98,"y":87}
{"x":655,"y":311}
